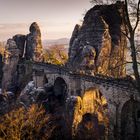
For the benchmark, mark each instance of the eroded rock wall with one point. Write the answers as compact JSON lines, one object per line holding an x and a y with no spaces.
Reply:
{"x":20,"y":42}
{"x":1,"y":66}
{"x":11,"y":58}
{"x":92,"y":104}
{"x":101,"y":31}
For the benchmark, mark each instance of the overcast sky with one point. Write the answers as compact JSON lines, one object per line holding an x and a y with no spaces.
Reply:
{"x":56,"y":18}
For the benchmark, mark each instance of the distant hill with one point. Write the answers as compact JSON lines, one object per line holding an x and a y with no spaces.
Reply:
{"x":52,"y":42}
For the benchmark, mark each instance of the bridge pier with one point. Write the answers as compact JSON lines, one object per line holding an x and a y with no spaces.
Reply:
{"x":38,"y":78}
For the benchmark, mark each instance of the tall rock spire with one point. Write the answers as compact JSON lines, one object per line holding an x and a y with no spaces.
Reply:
{"x":34,"y":49}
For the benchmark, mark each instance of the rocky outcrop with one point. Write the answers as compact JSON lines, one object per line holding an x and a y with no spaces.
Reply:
{"x":98,"y":46}
{"x":34,"y":50}
{"x":20,"y":46}
{"x":1,"y":66}
{"x":30,"y":45}
{"x":92,"y":103}
{"x":72,"y":49}
{"x":11,"y":58}
{"x":52,"y":95}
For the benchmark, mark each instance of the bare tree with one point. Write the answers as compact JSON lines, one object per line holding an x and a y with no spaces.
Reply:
{"x":132,"y":24}
{"x":131,"y":19}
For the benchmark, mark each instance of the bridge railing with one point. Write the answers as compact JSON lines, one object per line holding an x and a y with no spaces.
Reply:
{"x":124,"y":83}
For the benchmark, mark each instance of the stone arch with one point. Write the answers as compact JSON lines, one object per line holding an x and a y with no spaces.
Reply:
{"x":60,"y":88}
{"x":130,"y":120}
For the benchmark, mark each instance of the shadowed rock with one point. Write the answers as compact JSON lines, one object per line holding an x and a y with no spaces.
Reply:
{"x":20,"y":42}
{"x":11,"y":58}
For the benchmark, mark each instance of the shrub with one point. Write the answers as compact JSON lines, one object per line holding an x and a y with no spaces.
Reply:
{"x":22,"y":124}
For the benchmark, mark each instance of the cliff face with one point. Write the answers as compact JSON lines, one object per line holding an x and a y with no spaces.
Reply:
{"x":98,"y":46}
{"x":1,"y":65}
{"x":92,"y":103}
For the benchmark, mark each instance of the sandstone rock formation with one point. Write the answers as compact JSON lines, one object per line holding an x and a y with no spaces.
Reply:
{"x":20,"y":46}
{"x":92,"y":103}
{"x":34,"y":50}
{"x":74,"y":36}
{"x":98,"y":46}
{"x":30,"y":45}
{"x":1,"y":66}
{"x":11,"y":58}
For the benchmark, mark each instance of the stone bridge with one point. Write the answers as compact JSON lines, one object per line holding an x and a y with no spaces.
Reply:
{"x":117,"y":92}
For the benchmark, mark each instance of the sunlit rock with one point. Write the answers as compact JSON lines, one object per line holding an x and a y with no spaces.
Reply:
{"x":95,"y":103}
{"x":102,"y":30}
{"x":92,"y":103}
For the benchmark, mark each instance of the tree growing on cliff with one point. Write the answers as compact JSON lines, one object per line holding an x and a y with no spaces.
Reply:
{"x":131,"y":19}
{"x":56,"y":55}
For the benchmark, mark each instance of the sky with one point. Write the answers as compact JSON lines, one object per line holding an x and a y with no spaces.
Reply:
{"x":56,"y":18}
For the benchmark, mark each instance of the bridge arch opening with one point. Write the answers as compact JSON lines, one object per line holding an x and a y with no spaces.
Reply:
{"x":130,"y":120}
{"x":60,"y":89}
